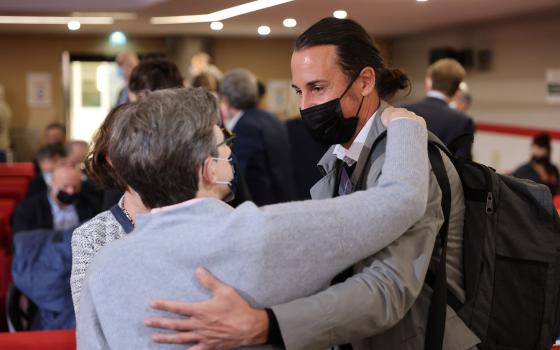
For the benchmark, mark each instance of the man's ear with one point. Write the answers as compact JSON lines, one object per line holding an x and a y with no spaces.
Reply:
{"x":367,"y":79}
{"x":428,"y":83}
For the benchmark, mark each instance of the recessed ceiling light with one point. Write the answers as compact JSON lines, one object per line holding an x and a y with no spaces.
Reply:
{"x":220,"y":15}
{"x":216,"y":25}
{"x":289,"y":23}
{"x":117,"y":38}
{"x":263,"y":30}
{"x":74,"y":25}
{"x":422,"y":0}
{"x":340,"y":14}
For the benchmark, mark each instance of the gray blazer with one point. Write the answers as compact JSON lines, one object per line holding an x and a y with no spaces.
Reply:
{"x":385,"y":304}
{"x":271,"y":254}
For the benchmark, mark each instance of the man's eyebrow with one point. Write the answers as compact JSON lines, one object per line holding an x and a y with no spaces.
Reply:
{"x":309,"y":83}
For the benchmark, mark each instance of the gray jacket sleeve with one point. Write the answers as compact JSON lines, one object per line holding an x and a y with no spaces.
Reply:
{"x":373,"y":300}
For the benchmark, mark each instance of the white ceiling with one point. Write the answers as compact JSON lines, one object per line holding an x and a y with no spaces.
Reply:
{"x":379,"y":17}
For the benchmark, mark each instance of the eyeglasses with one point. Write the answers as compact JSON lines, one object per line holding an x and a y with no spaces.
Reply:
{"x":228,"y":138}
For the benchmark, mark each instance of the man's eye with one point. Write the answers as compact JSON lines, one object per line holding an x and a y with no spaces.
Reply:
{"x":317,"y":89}
{"x":298,"y":92}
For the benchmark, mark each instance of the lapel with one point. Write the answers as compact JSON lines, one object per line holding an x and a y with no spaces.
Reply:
{"x":329,"y":165}
{"x":377,"y":129}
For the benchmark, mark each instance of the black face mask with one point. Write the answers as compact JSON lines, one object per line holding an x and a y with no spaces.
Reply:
{"x":326,"y":123}
{"x":66,"y":198}
{"x":544,"y":160}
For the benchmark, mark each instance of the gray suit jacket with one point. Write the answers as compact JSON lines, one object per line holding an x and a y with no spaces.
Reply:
{"x":385,"y":304}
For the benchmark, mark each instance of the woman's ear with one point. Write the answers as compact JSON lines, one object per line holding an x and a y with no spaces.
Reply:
{"x":208,"y":171}
{"x":368,"y":77}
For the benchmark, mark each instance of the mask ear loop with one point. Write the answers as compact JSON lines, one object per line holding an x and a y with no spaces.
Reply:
{"x":348,"y":88}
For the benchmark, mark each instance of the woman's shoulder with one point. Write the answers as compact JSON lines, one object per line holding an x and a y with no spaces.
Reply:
{"x":103,"y":227}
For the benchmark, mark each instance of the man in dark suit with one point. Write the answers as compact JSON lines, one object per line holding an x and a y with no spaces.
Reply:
{"x":261,"y":145}
{"x":442,"y":82}
{"x":64,"y":206}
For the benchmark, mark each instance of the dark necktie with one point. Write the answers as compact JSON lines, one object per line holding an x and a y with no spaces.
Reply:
{"x":345,"y":184}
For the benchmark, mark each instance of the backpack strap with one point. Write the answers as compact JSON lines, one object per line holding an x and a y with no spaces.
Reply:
{"x":367,"y":158}
{"x":438,"y":303}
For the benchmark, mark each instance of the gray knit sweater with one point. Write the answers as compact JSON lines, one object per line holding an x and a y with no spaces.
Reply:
{"x":270,"y":255}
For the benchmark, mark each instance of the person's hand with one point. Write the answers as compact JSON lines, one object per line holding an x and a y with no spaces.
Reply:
{"x":226,"y":321}
{"x":393,"y":113}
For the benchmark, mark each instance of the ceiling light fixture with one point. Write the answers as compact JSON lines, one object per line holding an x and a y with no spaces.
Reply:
{"x":263,"y":30}
{"x":289,"y":23}
{"x":54,"y":20}
{"x":117,"y":38}
{"x":74,"y":25}
{"x":220,"y":15}
{"x":341,"y":14}
{"x":216,"y":25}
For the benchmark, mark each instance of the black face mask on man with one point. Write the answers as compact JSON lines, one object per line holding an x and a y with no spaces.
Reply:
{"x":326,"y":123}
{"x":66,"y":198}
{"x":543,"y":160}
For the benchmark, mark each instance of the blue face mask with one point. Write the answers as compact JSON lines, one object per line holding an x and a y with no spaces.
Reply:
{"x":47,"y":177}
{"x":232,"y":184}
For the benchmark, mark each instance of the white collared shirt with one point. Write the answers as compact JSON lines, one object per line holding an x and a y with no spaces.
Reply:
{"x":63,"y":217}
{"x":230,"y":124}
{"x":351,"y":156}
{"x":437,"y":94}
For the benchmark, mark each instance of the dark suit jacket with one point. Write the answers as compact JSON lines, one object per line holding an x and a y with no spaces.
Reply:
{"x":445,"y":122}
{"x":35,"y":212}
{"x":262,"y":148}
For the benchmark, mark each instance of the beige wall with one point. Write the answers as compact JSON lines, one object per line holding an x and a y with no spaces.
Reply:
{"x":512,"y":92}
{"x":268,"y":58}
{"x":23,"y":54}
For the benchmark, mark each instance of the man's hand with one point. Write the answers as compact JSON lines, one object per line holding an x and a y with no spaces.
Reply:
{"x":391,"y":113}
{"x":224,"y":322}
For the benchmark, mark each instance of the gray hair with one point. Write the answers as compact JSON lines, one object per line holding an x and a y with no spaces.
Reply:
{"x":239,"y":88}
{"x":163,"y":141}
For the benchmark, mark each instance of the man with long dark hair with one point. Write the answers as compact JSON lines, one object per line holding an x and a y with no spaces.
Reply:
{"x":381,"y":302}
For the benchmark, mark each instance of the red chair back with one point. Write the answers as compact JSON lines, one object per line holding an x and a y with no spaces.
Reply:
{"x":13,"y":188}
{"x":44,"y":340}
{"x":17,"y":170}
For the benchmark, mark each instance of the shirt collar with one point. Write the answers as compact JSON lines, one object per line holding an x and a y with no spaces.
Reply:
{"x":351,"y":155}
{"x":437,"y":94}
{"x":230,"y":124}
{"x":175,"y":206}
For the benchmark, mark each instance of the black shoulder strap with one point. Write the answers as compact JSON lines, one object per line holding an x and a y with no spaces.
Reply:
{"x":438,"y":304}
{"x":377,"y":149}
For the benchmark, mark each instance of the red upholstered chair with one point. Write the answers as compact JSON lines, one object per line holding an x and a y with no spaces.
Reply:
{"x":43,"y":340}
{"x":13,"y":187}
{"x":17,"y":170}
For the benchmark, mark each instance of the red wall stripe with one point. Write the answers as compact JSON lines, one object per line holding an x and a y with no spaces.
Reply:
{"x":516,"y":130}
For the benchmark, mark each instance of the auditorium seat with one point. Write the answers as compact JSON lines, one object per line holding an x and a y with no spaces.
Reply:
{"x":17,"y":170}
{"x":43,"y":340}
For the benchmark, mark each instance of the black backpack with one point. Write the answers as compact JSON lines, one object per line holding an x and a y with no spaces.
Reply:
{"x":511,"y":258}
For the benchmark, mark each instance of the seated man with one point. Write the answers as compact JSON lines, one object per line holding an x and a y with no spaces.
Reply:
{"x":64,"y":206}
{"x":172,"y":154}
{"x":45,"y":161}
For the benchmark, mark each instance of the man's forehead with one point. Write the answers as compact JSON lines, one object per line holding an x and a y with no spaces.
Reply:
{"x":314,"y":63}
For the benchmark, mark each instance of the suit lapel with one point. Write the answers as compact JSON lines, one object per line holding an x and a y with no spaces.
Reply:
{"x":376,"y":130}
